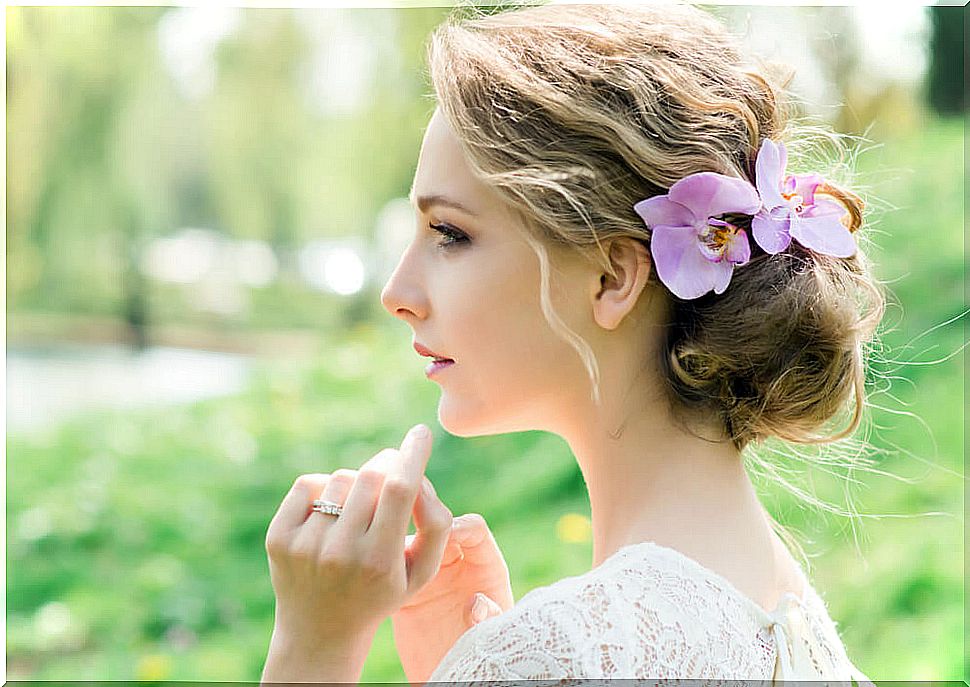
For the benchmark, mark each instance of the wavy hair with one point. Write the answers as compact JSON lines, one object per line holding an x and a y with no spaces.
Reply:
{"x":573,"y":113}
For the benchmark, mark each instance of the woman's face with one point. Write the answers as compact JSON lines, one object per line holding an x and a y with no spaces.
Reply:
{"x":469,"y":287}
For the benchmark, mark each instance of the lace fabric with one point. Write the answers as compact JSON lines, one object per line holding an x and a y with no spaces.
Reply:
{"x":650,"y":612}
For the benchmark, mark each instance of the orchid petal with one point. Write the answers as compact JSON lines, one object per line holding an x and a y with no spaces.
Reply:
{"x":769,"y":172}
{"x":788,"y":185}
{"x":709,"y":194}
{"x":805,"y":185}
{"x":771,"y":230}
{"x":820,"y":229}
{"x":737,"y":250}
{"x":722,"y":277}
{"x":661,"y":210}
{"x":822,"y":208}
{"x":680,"y":264}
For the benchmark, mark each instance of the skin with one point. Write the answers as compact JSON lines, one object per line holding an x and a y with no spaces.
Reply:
{"x":427,"y":626}
{"x":478,"y":302}
{"x":336,"y":579}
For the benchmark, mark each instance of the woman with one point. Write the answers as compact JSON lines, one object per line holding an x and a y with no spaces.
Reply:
{"x":610,"y":247}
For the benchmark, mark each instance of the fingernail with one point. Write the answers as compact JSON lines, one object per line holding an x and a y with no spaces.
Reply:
{"x":427,"y":487}
{"x":479,"y":609}
{"x":421,"y":431}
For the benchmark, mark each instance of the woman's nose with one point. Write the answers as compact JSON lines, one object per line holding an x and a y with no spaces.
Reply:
{"x":401,"y":295}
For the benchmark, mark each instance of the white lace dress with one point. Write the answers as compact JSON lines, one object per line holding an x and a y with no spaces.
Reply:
{"x":649,"y":611}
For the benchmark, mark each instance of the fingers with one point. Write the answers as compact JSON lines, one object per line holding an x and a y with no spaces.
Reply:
{"x":476,"y":541}
{"x":335,"y":489}
{"x":295,"y":507}
{"x":453,"y":552}
{"x":423,"y":508}
{"x":482,"y":608}
{"x":377,"y":499}
{"x":402,"y":482}
{"x":431,"y":546}
{"x":339,"y":485}
{"x":362,"y":498}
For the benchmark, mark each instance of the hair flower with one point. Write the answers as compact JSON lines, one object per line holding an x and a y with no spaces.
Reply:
{"x":790,"y":209}
{"x":693,"y":250}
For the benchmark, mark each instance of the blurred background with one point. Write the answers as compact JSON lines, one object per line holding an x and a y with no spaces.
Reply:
{"x":202,"y":207}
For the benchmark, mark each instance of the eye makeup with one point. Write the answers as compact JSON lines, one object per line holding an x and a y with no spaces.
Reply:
{"x":450,"y":236}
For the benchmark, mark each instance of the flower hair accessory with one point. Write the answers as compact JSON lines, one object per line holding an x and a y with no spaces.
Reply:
{"x":695,"y":251}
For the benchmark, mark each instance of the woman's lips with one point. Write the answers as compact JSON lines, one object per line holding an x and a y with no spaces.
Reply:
{"x":421,"y":349}
{"x":440,"y":361}
{"x":437,"y":366}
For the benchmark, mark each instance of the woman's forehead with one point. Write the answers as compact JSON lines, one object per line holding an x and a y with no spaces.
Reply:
{"x":443,"y":175}
{"x":440,"y":163}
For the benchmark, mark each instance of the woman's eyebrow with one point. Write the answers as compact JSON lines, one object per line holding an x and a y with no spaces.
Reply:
{"x":424,"y":202}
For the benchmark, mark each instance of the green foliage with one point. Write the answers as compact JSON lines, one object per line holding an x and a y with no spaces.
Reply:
{"x":109,"y":151}
{"x":946,"y":82}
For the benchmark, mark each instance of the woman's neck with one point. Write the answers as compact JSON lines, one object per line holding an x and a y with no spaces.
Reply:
{"x":657,"y":483}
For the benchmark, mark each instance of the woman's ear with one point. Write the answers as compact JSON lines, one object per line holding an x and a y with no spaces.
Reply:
{"x":617,"y":296}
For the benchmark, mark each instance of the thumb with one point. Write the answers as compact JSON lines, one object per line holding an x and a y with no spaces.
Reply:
{"x":424,"y":504}
{"x":483,"y":608}
{"x":478,"y":543}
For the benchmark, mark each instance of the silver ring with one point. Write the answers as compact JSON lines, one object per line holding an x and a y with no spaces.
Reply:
{"x":327,"y":507}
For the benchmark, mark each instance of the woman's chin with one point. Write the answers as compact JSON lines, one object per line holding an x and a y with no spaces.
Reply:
{"x":463,"y":422}
{"x":456,"y":426}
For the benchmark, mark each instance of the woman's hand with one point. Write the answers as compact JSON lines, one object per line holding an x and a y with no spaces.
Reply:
{"x":429,"y":624}
{"x":337,"y":578}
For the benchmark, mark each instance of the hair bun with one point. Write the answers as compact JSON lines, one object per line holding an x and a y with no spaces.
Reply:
{"x":620,"y":103}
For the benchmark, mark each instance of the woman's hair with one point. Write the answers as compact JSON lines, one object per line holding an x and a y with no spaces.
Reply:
{"x":573,"y":113}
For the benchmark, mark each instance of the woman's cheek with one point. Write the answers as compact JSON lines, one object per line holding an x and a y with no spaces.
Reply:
{"x":477,"y":403}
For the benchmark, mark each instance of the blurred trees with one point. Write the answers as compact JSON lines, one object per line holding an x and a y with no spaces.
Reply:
{"x":87,"y":160}
{"x":256,"y":128}
{"x":107,"y":148}
{"x":946,"y":80}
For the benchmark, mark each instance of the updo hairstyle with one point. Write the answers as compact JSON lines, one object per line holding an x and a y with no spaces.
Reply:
{"x":573,"y":113}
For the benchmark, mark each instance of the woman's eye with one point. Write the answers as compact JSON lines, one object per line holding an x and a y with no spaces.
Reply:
{"x":449,"y":235}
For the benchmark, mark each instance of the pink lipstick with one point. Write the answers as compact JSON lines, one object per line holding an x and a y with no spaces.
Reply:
{"x":437,"y":366}
{"x":440,"y":361}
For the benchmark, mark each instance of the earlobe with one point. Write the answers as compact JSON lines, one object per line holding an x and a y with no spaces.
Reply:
{"x":618,"y":295}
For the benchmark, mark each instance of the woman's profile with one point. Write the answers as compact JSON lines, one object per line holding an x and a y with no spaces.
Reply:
{"x":609,"y":246}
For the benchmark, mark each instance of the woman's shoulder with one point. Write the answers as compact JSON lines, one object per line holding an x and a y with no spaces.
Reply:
{"x":799,"y":626}
{"x":640,"y":612}
{"x":641,"y":577}
{"x":650,"y":611}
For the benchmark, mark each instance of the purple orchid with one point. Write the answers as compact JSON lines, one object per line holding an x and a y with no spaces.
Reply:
{"x":695,"y":252}
{"x":790,"y":209}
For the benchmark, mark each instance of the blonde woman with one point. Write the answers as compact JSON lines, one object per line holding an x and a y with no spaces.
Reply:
{"x":609,"y":246}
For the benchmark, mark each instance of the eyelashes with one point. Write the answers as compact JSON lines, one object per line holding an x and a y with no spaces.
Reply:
{"x":449,"y":235}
